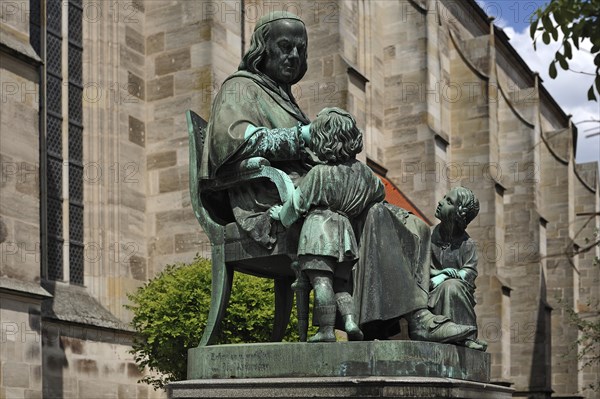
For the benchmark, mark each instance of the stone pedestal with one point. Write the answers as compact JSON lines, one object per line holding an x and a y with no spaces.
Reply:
{"x":375,"y":369}
{"x":338,"y":387}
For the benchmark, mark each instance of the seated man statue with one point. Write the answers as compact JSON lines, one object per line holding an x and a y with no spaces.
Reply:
{"x":255,"y":114}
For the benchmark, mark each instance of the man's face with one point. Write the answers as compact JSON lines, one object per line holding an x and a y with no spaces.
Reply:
{"x":446,"y":209}
{"x":286,"y":48}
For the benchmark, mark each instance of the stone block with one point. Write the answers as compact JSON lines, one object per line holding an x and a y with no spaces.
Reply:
{"x":159,"y":130}
{"x":131,"y":60}
{"x":28,"y":181}
{"x":137,"y":131}
{"x":86,"y":366}
{"x":126,"y":391}
{"x":173,"y":179}
{"x":15,"y":375}
{"x":133,"y":371}
{"x":137,"y":266}
{"x":193,"y":80}
{"x":159,"y":88}
{"x":188,"y":35}
{"x":189,"y":242}
{"x":91,"y":389}
{"x":135,"y":86}
{"x":161,"y":160}
{"x":155,"y":43}
{"x":173,"y":61}
{"x":134,"y":40}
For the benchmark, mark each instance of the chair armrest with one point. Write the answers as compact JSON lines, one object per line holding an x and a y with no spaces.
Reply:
{"x":251,"y":169}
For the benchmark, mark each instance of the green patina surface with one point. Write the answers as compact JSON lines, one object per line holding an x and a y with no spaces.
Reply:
{"x":341,"y":359}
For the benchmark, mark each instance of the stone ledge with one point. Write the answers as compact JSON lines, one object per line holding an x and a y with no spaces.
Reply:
{"x":17,"y":45}
{"x":23,"y":288}
{"x":71,"y":303}
{"x":392,"y":358}
{"x":337,"y":387}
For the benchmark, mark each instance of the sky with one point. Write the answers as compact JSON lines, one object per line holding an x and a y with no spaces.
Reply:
{"x":569,"y":89}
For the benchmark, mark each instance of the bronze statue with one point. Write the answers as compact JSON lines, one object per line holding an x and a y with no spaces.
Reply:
{"x":329,"y":197}
{"x":454,"y":262}
{"x":255,"y":115}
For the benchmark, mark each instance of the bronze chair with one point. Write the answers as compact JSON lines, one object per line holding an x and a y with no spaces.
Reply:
{"x":232,"y":249}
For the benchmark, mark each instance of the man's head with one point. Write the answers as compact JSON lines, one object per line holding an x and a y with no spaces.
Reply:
{"x":278,"y":48}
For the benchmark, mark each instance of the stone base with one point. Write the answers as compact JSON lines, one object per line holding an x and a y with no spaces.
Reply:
{"x":337,"y":387}
{"x":374,"y":369}
{"x":339,"y":359}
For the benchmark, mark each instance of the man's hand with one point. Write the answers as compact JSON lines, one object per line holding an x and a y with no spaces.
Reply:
{"x":437,"y":280}
{"x":450,"y":272}
{"x":275,"y":211}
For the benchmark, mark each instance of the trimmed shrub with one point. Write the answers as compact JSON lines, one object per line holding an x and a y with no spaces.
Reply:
{"x":170,"y":313}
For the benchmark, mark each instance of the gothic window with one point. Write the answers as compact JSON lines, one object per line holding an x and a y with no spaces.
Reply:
{"x":62,"y":123}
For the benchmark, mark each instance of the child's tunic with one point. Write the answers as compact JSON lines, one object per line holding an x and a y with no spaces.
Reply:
{"x":331,"y":196}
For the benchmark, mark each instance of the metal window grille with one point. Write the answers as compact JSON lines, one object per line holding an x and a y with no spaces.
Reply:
{"x":75,"y":143}
{"x":54,"y":160}
{"x":49,"y":45}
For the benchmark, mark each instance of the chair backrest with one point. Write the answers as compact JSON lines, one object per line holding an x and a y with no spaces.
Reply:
{"x":197,"y":136}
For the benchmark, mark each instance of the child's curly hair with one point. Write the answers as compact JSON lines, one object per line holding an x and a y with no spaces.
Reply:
{"x":467,"y":207}
{"x":334,"y":136}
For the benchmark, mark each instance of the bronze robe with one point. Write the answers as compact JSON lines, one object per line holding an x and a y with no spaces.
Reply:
{"x":454,"y":297}
{"x":392,"y":274}
{"x":248,"y":99}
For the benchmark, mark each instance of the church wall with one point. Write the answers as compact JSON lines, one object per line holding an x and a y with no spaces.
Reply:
{"x":183,"y":66}
{"x":20,"y":352}
{"x":20,"y":294}
{"x":19,"y":170}
{"x":87,"y":362}
{"x":114,"y":153}
{"x":587,"y":203}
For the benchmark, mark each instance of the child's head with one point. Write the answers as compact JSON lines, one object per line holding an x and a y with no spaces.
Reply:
{"x":334,"y":136}
{"x":459,"y":206}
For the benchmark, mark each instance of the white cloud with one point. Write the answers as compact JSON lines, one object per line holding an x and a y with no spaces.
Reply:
{"x":569,"y":89}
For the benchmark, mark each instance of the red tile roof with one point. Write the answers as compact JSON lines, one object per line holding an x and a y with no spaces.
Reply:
{"x":394,"y":196}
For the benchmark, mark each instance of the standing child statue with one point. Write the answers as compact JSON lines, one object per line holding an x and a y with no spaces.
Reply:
{"x":329,"y":197}
{"x":454,"y":262}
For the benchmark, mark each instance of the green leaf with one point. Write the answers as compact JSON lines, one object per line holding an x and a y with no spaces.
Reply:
{"x":591,"y":95}
{"x":562,"y":61}
{"x":547,"y":23}
{"x":552,"y":70}
{"x":568,"y":49}
{"x":533,"y":28}
{"x":546,"y":38}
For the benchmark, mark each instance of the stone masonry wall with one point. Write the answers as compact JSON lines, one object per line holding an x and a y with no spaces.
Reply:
{"x":87,"y":362}
{"x":21,"y":349}
{"x":19,"y":168}
{"x":20,"y":324}
{"x":114,"y":152}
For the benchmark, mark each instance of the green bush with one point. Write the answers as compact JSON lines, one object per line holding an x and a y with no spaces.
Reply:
{"x":170,"y":313}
